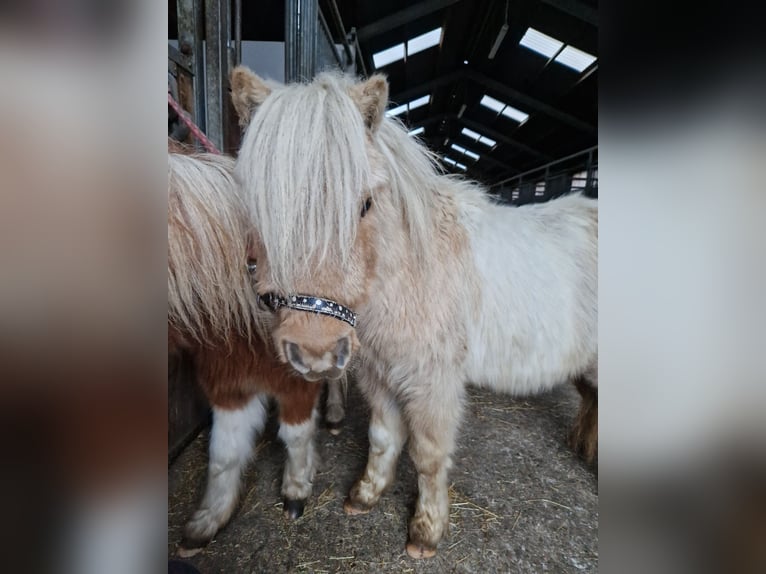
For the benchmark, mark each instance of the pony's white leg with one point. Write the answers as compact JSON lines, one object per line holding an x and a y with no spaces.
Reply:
{"x":335,"y":409}
{"x":231,"y":446}
{"x":300,"y":466}
{"x":387,"y":435}
{"x":297,"y":422}
{"x":433,"y":422}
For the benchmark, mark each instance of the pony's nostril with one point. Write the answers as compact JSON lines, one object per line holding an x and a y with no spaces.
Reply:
{"x":295,"y":358}
{"x":342,"y":352}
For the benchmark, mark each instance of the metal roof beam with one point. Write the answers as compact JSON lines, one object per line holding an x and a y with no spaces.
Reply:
{"x":484,"y":130}
{"x":523,"y":99}
{"x":530,"y":102}
{"x":402,"y":17}
{"x":426,"y":87}
{"x":577,"y":9}
{"x":502,"y":138}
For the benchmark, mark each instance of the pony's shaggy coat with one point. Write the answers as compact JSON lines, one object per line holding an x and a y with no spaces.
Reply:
{"x":456,"y":288}
{"x":212,"y":315}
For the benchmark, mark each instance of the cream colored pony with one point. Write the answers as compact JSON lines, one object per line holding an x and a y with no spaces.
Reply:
{"x":213,"y":315}
{"x":450,"y":287}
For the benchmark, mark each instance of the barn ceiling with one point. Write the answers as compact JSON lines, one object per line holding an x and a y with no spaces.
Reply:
{"x":540,"y":107}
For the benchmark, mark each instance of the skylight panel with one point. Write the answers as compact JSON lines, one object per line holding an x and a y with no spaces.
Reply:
{"x":416,"y":131}
{"x":575,"y":59}
{"x":471,"y":134}
{"x":424,"y":41}
{"x":465,"y":152}
{"x":454,"y":163}
{"x":420,"y":102}
{"x":504,"y":109}
{"x":492,"y":104}
{"x":409,"y":106}
{"x":541,"y":43}
{"x":515,"y":114}
{"x":385,"y":57}
{"x":396,"y":111}
{"x":477,"y":137}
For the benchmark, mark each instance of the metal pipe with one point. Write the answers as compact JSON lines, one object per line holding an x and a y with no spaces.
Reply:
{"x":360,"y":57}
{"x":586,"y":152}
{"x":335,"y":13}
{"x":301,"y":28}
{"x":328,"y":33}
{"x":238,"y":31}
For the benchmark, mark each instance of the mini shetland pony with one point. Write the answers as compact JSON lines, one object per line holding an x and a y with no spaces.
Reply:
{"x":212,"y":313}
{"x":450,"y":288}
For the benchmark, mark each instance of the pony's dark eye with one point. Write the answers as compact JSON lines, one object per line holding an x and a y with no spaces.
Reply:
{"x":366,"y":207}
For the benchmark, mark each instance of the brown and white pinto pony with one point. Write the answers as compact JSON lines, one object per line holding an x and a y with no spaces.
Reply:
{"x":450,"y":287}
{"x":213,"y":314}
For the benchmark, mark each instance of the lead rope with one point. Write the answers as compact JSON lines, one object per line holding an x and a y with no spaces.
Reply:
{"x":209,"y":146}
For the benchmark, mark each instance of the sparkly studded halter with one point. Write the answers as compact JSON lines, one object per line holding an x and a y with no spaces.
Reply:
{"x":307,"y":303}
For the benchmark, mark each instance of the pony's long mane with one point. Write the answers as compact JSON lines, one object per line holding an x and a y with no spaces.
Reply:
{"x":304,"y":170}
{"x":304,"y":166}
{"x":210,"y":293}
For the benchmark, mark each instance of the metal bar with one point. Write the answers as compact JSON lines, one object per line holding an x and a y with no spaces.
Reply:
{"x":301,"y":29}
{"x":216,"y":67}
{"x":402,"y":17}
{"x":178,"y":58}
{"x":335,"y":13}
{"x":588,"y":151}
{"x":190,"y":34}
{"x":359,"y":55}
{"x":238,"y":31}
{"x":328,"y":34}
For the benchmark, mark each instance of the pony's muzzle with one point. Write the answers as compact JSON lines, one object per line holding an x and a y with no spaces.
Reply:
{"x":313,"y":367}
{"x":315,"y":347}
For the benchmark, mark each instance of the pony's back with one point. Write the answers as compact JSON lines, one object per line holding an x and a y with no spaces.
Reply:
{"x":210,"y":294}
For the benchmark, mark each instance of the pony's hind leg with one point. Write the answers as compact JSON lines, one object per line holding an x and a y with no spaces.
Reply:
{"x":335,"y":412}
{"x":231,"y":446}
{"x":387,"y":435}
{"x":296,"y":429}
{"x":583,"y":437}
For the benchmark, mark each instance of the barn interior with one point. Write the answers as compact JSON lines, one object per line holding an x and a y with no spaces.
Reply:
{"x":505,"y":92}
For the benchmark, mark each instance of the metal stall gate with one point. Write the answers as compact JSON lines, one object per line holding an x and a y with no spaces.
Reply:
{"x":208,"y":44}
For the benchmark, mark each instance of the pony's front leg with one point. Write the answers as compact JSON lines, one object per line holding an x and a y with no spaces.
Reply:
{"x":297,"y":423}
{"x":387,"y":435}
{"x":433,"y":422}
{"x":231,"y":445}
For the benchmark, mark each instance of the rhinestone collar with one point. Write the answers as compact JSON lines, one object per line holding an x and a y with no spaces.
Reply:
{"x":310,"y":304}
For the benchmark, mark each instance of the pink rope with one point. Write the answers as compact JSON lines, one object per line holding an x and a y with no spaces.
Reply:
{"x":192,"y":127}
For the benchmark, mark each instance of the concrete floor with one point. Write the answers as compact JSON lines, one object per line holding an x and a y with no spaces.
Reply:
{"x":521,"y":500}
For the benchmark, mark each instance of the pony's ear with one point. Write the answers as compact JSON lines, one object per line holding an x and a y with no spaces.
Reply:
{"x":248,"y":91}
{"x":371,"y":97}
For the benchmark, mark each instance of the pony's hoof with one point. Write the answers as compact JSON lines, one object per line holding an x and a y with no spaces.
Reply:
{"x":334,"y":428}
{"x":351,"y":510}
{"x":418,"y":551}
{"x":294,"y":508}
{"x":190,"y":547}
